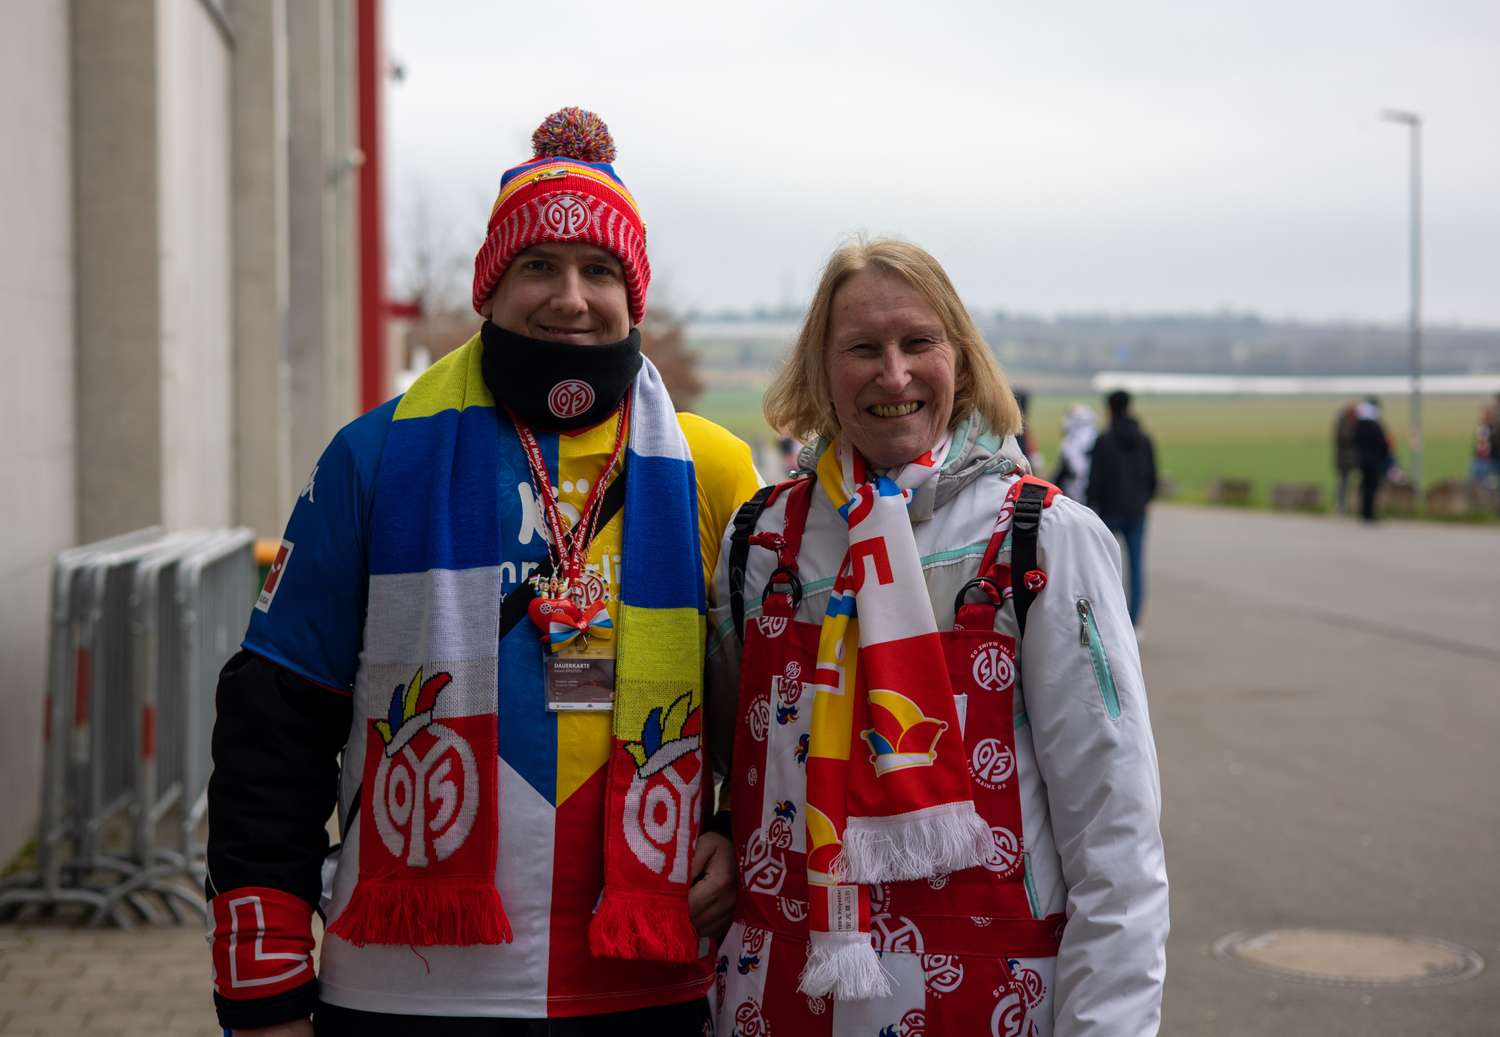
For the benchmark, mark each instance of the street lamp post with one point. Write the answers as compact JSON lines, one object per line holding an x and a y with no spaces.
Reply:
{"x":1413,"y":122}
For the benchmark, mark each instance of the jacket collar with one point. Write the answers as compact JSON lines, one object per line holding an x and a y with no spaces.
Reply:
{"x":976,"y":452}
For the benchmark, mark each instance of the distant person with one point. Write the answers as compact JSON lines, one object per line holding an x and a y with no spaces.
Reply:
{"x":1122,"y":481}
{"x":789,"y":447}
{"x":1026,"y":440}
{"x":1485,"y":470}
{"x":1345,"y":456}
{"x":1373,"y":448}
{"x":1080,"y":430}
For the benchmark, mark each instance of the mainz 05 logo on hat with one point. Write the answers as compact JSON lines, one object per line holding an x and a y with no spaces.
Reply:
{"x":566,"y":215}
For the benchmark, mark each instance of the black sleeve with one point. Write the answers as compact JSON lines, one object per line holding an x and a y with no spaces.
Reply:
{"x":1062,"y":473}
{"x":1151,"y":484}
{"x":276,"y":743}
{"x":1094,"y":494}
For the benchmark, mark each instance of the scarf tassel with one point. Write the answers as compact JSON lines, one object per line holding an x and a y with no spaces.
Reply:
{"x":844,"y":965}
{"x":643,"y":926}
{"x":915,"y":845}
{"x":421,"y":913}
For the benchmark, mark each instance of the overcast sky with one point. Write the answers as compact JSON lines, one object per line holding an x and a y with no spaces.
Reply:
{"x":1134,"y":157}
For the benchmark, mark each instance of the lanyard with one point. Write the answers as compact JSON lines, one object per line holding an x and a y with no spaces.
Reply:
{"x":569,"y":553}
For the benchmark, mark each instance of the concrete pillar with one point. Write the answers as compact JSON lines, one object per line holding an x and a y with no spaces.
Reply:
{"x":264,"y":480}
{"x":37,"y":424}
{"x":310,"y":327}
{"x":194,"y":72}
{"x":116,"y":125}
{"x":343,"y":348}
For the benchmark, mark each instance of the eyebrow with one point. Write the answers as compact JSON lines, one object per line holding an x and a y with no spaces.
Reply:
{"x":596,"y":254}
{"x":591,"y":254}
{"x":864,"y":331}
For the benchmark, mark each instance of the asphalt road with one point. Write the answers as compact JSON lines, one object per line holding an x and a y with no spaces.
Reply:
{"x":1326,"y":702}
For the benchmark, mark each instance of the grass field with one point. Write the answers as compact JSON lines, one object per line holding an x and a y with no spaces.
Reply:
{"x":1266,"y":439}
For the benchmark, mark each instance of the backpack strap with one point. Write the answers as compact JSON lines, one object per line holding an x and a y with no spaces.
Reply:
{"x":786,"y":544}
{"x":739,"y":552}
{"x":1031,"y":495}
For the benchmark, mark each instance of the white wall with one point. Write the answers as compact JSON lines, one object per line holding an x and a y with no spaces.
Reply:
{"x":197,"y":415}
{"x":37,"y":512}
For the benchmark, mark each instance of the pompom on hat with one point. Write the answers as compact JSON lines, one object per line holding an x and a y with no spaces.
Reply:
{"x":567,"y":192}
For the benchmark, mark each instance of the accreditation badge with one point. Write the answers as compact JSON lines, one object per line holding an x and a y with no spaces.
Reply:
{"x":581,"y":680}
{"x":580,"y":672}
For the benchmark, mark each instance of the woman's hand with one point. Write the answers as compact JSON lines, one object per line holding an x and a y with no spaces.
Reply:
{"x":711,"y":897}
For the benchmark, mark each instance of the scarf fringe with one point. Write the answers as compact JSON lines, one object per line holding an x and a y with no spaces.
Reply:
{"x":844,"y":965}
{"x":422,"y":913}
{"x":918,"y":845}
{"x":643,"y":926}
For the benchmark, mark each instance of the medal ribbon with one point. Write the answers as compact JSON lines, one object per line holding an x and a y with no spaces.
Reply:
{"x":555,"y":615}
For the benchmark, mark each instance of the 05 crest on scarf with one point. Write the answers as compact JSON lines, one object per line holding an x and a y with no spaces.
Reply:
{"x":888,"y":795}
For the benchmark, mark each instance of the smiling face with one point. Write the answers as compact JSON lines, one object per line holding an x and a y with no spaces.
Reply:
{"x":890,"y":368}
{"x":564,"y":292}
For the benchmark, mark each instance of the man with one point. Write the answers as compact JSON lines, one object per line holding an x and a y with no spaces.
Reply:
{"x":490,"y":599}
{"x":1122,"y":481}
{"x":1345,"y":456}
{"x":1484,"y":472}
{"x":1372,"y":447}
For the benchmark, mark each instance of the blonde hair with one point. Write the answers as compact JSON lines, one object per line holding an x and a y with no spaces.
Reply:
{"x":800,"y":399}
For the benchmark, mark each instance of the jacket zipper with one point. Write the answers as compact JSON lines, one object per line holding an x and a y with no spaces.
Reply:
{"x":1088,"y":637}
{"x":1032,"y":900}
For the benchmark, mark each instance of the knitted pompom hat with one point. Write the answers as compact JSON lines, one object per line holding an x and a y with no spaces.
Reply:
{"x":567,"y":192}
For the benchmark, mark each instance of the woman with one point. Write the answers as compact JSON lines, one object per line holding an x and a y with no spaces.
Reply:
{"x":1078,"y":435}
{"x":943,"y":827}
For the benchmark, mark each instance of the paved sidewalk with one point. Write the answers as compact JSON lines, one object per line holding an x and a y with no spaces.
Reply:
{"x":55,"y":980}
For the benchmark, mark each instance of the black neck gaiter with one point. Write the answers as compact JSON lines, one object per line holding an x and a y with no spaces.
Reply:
{"x":558,"y":386}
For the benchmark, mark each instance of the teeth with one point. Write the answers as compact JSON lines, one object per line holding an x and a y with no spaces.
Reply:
{"x":894,"y":410}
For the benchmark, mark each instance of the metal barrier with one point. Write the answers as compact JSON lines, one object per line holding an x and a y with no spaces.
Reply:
{"x":55,"y":881}
{"x":140,"y":626}
{"x":189,"y":613}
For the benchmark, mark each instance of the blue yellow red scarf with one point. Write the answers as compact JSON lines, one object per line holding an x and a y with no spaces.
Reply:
{"x":429,"y":830}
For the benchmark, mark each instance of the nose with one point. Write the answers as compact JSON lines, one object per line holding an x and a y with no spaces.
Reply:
{"x":895,"y":373}
{"x":568,"y":295}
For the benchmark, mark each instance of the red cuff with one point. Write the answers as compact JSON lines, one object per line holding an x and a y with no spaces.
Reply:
{"x":262,"y":943}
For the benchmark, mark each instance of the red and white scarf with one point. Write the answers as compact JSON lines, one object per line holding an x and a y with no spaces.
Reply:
{"x":888,"y":794}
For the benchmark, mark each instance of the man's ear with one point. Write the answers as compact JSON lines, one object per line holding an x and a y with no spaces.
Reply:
{"x":487,"y":307}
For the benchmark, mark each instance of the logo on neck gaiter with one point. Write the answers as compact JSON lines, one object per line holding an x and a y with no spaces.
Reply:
{"x":570,"y":398}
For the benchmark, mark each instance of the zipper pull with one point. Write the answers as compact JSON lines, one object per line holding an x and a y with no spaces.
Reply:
{"x":1083,"y":622}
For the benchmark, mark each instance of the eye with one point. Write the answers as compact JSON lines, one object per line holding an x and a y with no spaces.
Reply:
{"x":862,"y":349}
{"x":534,"y":266}
{"x":600,"y":270}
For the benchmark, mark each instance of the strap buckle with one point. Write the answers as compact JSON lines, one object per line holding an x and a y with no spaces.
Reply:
{"x":793,"y":585}
{"x":1029,"y":504}
{"x":991,"y":588}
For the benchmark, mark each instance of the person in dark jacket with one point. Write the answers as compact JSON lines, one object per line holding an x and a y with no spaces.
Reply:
{"x":1373,"y":448}
{"x":1345,"y":457}
{"x":1122,"y":481}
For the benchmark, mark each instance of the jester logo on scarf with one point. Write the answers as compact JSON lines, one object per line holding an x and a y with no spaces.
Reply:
{"x":426,"y":780}
{"x":902,"y":736}
{"x":662,"y":802}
